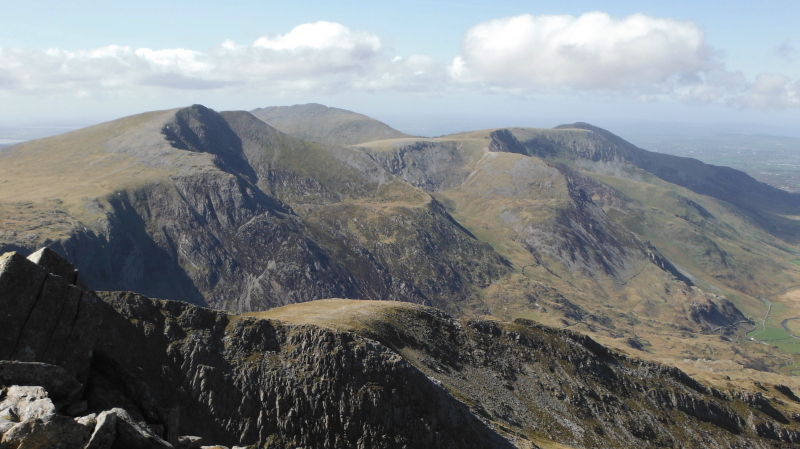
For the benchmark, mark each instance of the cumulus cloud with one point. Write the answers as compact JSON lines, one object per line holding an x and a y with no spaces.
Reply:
{"x":640,"y":56}
{"x":315,"y":57}
{"x":323,"y":36}
{"x":591,"y":52}
{"x":769,"y":91}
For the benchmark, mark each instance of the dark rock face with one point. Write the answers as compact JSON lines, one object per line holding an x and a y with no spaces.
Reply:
{"x":504,"y":141}
{"x":45,"y":319}
{"x":55,"y":264}
{"x":157,"y":364}
{"x":310,"y":386}
{"x":46,"y":361}
{"x":566,"y":387}
{"x":432,"y":166}
{"x":60,"y":385}
{"x":262,"y":229}
{"x":233,"y":380}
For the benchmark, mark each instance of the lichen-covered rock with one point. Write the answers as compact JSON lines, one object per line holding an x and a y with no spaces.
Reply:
{"x":190,"y":442}
{"x":22,"y":403}
{"x":55,"y":432}
{"x":131,"y":434}
{"x":105,"y":431}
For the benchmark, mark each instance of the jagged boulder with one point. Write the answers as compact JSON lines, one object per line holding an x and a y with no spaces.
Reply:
{"x":56,"y":432}
{"x":60,"y":385}
{"x":131,"y":434}
{"x":42,"y":428}
{"x":45,"y":318}
{"x":55,"y":264}
{"x":21,"y":404}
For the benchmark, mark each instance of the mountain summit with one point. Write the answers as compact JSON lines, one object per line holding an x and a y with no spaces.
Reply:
{"x":322,"y":124}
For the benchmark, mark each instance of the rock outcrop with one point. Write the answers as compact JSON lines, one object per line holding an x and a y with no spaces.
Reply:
{"x":226,"y":379}
{"x":46,"y":318}
{"x":46,"y":361}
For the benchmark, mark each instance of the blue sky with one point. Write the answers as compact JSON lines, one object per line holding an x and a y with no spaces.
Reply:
{"x":427,"y":67}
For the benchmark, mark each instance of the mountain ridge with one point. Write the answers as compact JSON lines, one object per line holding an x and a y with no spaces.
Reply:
{"x":339,"y":373}
{"x":222,"y":209}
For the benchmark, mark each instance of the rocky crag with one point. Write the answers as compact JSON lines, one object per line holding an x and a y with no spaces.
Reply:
{"x":220,"y":209}
{"x":111,"y":373}
{"x":138,"y":372}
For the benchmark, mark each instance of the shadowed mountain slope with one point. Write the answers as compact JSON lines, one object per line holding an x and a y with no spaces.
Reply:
{"x":545,"y":385}
{"x":222,"y":209}
{"x":322,"y":124}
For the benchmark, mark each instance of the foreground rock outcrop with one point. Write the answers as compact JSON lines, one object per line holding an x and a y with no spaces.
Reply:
{"x":336,"y":374}
{"x":149,"y":364}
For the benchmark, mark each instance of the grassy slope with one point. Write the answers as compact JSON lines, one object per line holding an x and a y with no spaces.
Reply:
{"x":48,"y":185}
{"x":726,"y":254}
{"x":321,"y":124}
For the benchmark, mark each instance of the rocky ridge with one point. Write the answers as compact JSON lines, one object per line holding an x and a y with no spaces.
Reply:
{"x":231,"y":380}
{"x":370,"y":375}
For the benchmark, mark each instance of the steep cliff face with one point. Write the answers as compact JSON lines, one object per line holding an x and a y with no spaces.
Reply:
{"x":537,"y":383}
{"x":240,"y":379}
{"x":430,"y":165}
{"x":232,"y":380}
{"x":345,"y":374}
{"x":239,"y":216}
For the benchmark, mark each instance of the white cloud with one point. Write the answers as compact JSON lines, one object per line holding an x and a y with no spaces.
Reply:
{"x":313,"y":57}
{"x":769,"y":91}
{"x":638,"y":56}
{"x":322,"y":36}
{"x":591,"y":52}
{"x":642,"y":56}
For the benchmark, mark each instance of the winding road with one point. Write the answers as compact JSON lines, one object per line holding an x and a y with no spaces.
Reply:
{"x":786,"y":328}
{"x":769,"y":310}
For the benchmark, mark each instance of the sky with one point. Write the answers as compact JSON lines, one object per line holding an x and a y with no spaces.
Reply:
{"x":425,"y":67}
